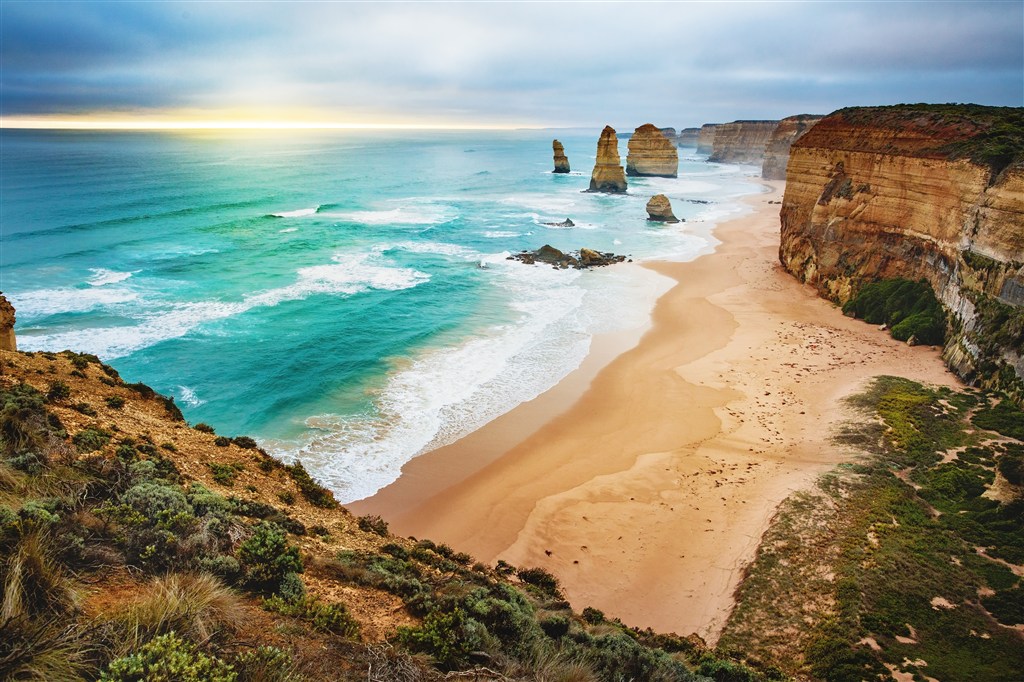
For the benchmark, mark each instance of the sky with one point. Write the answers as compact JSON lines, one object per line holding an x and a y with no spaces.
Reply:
{"x":497,"y":64}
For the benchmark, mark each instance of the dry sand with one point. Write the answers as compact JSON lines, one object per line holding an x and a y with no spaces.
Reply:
{"x":645,"y":485}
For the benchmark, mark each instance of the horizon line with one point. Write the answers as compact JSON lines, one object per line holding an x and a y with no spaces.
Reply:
{"x":11,"y":123}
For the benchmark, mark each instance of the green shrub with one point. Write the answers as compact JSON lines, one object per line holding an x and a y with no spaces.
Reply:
{"x":316,"y":494}
{"x":91,"y":439}
{"x":266,"y":558}
{"x":222,"y":441}
{"x":540,"y":578}
{"x":373,"y":524}
{"x":1007,"y":606}
{"x":58,"y":390}
{"x":264,"y":664}
{"x":114,"y":402}
{"x":592,"y":615}
{"x":205,"y":428}
{"x":168,"y":658}
{"x":555,"y":627}
{"x":1011,"y":466}
{"x":287,"y":497}
{"x":244,"y":442}
{"x":909,"y":308}
{"x":224,"y":473}
{"x":333,"y":617}
{"x":1004,"y":418}
{"x":84,"y":408}
{"x":447,"y":637}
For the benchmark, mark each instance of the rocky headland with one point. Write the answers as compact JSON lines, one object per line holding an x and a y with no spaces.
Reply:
{"x":561,"y":160}
{"x":776,"y":155}
{"x":932,"y":192}
{"x":608,"y":175}
{"x":706,"y":138}
{"x":742,"y":141}
{"x":659,"y":210}
{"x":651,"y":154}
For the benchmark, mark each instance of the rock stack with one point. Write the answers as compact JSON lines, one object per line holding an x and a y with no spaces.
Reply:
{"x":561,"y":160}
{"x":706,"y":138}
{"x":608,"y":175}
{"x":7,"y":341}
{"x":688,"y":137}
{"x":659,"y":210}
{"x":651,"y":154}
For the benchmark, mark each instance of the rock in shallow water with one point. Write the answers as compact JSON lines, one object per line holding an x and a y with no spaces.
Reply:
{"x":561,"y":160}
{"x":651,"y":154}
{"x":659,"y":209}
{"x":586,"y":258}
{"x":608,"y":175}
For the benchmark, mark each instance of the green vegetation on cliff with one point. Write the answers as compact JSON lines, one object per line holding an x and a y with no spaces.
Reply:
{"x":909,"y":560}
{"x":909,"y":309}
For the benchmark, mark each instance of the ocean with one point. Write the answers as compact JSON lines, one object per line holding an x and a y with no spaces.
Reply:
{"x":342,"y":296}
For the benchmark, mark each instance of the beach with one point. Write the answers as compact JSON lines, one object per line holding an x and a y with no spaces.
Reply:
{"x":644,"y":482}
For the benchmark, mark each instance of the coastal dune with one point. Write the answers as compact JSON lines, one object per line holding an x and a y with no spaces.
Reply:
{"x":644,"y":482}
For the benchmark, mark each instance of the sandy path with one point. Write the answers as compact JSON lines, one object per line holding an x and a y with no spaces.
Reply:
{"x":648,"y":493}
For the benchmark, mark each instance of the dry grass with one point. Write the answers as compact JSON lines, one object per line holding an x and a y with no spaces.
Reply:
{"x":33,"y":582}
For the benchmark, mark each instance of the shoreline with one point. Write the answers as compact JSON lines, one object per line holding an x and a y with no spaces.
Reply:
{"x":644,"y":481}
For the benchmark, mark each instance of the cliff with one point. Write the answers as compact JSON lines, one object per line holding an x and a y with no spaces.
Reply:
{"x":608,"y":175}
{"x":7,"y":340}
{"x":651,"y":154}
{"x":776,"y":155}
{"x":561,"y":160}
{"x":688,"y":137}
{"x":742,"y":141}
{"x":706,"y":138}
{"x":933,"y":192}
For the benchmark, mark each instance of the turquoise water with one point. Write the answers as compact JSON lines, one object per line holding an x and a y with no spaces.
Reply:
{"x":342,"y":296}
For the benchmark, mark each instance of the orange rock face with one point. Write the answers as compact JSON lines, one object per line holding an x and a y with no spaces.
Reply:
{"x":561,"y":160}
{"x":776,"y":155}
{"x":871,"y":200}
{"x":651,"y":154}
{"x":659,"y":209}
{"x":706,"y":138}
{"x":608,"y":175}
{"x":7,"y":340}
{"x":742,"y":141}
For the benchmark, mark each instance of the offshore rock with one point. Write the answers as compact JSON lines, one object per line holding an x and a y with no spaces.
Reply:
{"x":608,"y":175}
{"x":659,"y":209}
{"x":7,"y":340}
{"x":565,"y":223}
{"x":688,"y":137}
{"x":706,"y":138}
{"x":742,"y":141}
{"x":914,"y":191}
{"x":776,"y":154}
{"x":586,"y":258}
{"x":651,"y":154}
{"x":561,"y":160}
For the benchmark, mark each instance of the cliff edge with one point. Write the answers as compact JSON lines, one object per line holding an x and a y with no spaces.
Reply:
{"x":933,"y":192}
{"x":742,"y":141}
{"x":776,"y":154}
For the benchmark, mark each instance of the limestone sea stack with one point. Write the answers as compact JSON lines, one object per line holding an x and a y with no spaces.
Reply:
{"x":776,"y":155}
{"x":742,"y":141}
{"x":608,"y":175}
{"x":651,"y":154}
{"x":706,"y":138}
{"x":561,"y":160}
{"x":7,"y":340}
{"x":659,"y":210}
{"x":688,"y":137}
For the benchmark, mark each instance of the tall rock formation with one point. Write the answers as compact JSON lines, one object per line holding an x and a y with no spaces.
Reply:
{"x":688,"y":137}
{"x":919,"y":191}
{"x":7,"y":340}
{"x":659,"y":210}
{"x":608,"y":175}
{"x":651,"y":154}
{"x":776,"y":154}
{"x":742,"y":141}
{"x":561,"y":160}
{"x":706,"y":138}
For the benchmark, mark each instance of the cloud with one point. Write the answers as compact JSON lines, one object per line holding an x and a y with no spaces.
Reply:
{"x":526,"y":63}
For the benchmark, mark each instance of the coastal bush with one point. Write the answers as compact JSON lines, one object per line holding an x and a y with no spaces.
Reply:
{"x":909,"y":308}
{"x":224,"y":473}
{"x":449,"y":638}
{"x":1011,"y":466}
{"x":205,"y":428}
{"x":333,"y":618}
{"x":315,"y":494}
{"x":373,"y":524}
{"x":114,"y":402}
{"x":244,"y":442}
{"x":222,"y":441}
{"x":265,"y":664}
{"x":91,"y":439}
{"x":1004,"y":418}
{"x":84,"y":408}
{"x":168,"y":658}
{"x":267,"y":557}
{"x":57,"y":391}
{"x":1007,"y":606}
{"x":541,"y":579}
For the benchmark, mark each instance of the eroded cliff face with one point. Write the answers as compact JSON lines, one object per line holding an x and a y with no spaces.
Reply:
{"x":651,"y":154}
{"x":608,"y":175}
{"x":688,"y":137}
{"x":885,"y":192}
{"x":742,"y":141}
{"x":706,"y":138}
{"x":776,"y":154}
{"x":7,"y":341}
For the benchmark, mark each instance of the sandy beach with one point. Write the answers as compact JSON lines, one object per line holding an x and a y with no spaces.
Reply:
{"x":645,"y":482}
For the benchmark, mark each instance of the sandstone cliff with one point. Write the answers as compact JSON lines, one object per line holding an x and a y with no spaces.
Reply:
{"x":659,"y":209}
{"x":7,"y":341}
{"x":561,"y":160}
{"x":651,"y":154}
{"x":776,"y":155}
{"x":608,"y":175}
{"x":688,"y":137}
{"x":919,"y":191}
{"x":706,"y":138}
{"x":742,"y":141}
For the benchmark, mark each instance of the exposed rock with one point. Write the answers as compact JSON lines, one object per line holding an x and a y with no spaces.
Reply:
{"x":742,"y":141}
{"x":669,"y":133}
{"x":659,"y":209}
{"x":586,"y":258}
{"x":776,"y":155}
{"x":565,"y":223}
{"x":688,"y":137}
{"x":651,"y":154}
{"x":706,"y":138}
{"x":608,"y":175}
{"x":561,"y":160}
{"x":7,"y":340}
{"x":886,"y":192}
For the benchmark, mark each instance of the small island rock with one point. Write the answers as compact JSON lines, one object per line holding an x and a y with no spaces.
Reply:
{"x":659,"y":209}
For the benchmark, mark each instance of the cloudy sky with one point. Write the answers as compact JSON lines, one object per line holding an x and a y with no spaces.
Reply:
{"x":548,"y":64}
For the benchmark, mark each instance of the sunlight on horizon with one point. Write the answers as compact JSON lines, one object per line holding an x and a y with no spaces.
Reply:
{"x":145,"y":123}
